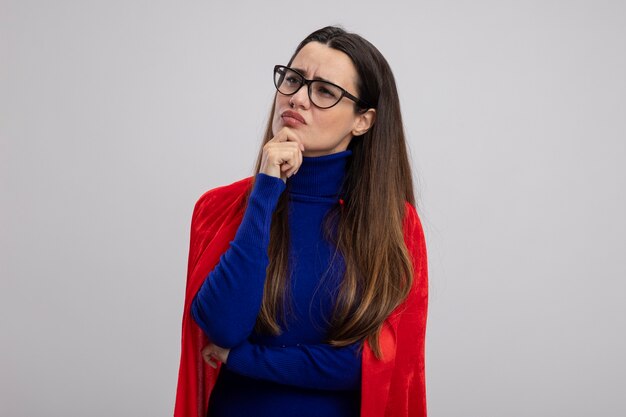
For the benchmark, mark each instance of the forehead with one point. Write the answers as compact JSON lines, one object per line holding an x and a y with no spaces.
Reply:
{"x":316,"y":60}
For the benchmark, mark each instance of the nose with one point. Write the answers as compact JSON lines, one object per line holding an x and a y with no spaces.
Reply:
{"x":301,"y":97}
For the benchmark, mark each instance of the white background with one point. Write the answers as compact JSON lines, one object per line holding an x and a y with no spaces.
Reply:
{"x":115,"y":116}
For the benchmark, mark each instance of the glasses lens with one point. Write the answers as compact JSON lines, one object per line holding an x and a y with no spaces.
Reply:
{"x":286,"y":80}
{"x":324,"y":94}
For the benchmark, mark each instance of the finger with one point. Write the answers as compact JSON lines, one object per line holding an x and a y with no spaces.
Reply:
{"x":277,"y":154}
{"x":210,"y":361}
{"x":288,"y":135}
{"x":207,"y":352}
{"x":291,"y":171}
{"x":282,"y":157}
{"x":300,"y":156}
{"x":297,"y":164}
{"x":293,"y":165}
{"x":279,"y":146}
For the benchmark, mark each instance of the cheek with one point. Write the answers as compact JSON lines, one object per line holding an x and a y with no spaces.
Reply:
{"x":281,"y":102}
{"x":336,"y":124}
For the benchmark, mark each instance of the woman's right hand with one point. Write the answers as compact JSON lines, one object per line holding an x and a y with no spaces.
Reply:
{"x":282,"y":155}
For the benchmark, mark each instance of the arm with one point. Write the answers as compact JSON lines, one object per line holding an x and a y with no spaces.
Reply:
{"x":319,"y":366}
{"x":227,"y":304}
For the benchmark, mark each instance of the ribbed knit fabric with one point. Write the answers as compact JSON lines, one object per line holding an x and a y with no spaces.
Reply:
{"x":294,"y":373}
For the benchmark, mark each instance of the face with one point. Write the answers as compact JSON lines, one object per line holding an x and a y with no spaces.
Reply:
{"x":324,"y":131}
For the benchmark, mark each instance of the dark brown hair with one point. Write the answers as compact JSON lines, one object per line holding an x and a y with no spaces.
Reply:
{"x":369,"y":225}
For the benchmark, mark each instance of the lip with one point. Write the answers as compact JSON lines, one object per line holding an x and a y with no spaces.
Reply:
{"x":292,"y":116}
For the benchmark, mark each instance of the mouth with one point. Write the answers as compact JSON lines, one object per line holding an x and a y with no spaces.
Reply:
{"x":292,"y":118}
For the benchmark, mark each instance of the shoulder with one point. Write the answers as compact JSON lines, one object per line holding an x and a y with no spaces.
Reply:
{"x":223,"y":197}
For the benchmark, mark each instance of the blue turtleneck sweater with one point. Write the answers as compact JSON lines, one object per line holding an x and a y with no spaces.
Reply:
{"x":295,"y":373}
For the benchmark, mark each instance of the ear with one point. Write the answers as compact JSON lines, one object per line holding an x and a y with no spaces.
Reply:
{"x":363,"y":122}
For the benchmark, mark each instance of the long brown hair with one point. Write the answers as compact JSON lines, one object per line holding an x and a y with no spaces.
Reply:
{"x":367,"y":229}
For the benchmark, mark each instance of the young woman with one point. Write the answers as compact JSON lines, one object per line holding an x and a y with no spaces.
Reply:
{"x":307,"y":283}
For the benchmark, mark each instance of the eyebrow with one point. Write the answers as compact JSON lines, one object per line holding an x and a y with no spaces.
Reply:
{"x":300,"y":70}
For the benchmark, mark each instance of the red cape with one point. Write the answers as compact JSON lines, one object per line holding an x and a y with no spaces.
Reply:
{"x":393,"y":386}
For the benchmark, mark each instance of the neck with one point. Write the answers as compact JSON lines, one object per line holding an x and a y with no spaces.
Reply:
{"x":320,"y":176}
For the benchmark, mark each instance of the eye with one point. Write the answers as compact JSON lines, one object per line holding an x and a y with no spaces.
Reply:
{"x":292,"y":79}
{"x":326,"y":91}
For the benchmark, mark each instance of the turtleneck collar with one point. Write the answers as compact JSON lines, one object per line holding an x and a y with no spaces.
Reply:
{"x":320,"y":176}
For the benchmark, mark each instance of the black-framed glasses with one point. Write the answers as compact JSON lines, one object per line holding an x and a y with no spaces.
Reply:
{"x":322,"y":94}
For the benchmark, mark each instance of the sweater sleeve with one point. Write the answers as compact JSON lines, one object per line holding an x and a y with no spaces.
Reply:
{"x":227,"y":304}
{"x":319,"y":366}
